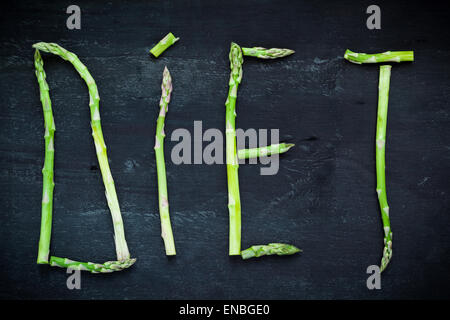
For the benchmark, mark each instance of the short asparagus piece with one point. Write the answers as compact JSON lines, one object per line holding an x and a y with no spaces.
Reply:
{"x":264,"y":151}
{"x":110,"y":192}
{"x":234,"y":201}
{"x":280,"y":249}
{"x":383,"y":98}
{"x":164,"y":44}
{"x":388,"y":56}
{"x":263,"y":53}
{"x":108,"y":266}
{"x":47,"y":171}
{"x":166,"y":228}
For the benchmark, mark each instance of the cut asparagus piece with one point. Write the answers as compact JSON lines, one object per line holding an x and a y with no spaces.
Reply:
{"x":108,"y":266}
{"x":164,"y":44}
{"x":166,"y":228}
{"x":280,"y":249}
{"x":383,"y":98}
{"x":264,"y":151}
{"x":234,"y":201}
{"x":110,"y":191}
{"x":388,"y":56}
{"x":263,"y":53}
{"x":47,"y":171}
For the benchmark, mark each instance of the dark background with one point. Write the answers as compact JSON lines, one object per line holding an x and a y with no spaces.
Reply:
{"x":323,"y":198}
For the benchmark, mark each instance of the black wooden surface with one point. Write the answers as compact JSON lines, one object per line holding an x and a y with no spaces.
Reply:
{"x":323,"y":198}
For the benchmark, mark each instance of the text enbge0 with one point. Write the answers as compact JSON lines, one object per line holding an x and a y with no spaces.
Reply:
{"x":242,"y":309}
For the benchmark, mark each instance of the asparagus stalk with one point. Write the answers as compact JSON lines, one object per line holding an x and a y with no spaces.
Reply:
{"x":234,"y":201}
{"x":388,"y":56}
{"x":270,"y":249}
{"x":264,"y":151}
{"x":166,"y":228}
{"x":164,"y":44}
{"x":264,"y":53}
{"x":108,"y":266}
{"x":383,"y":98}
{"x":110,"y":191}
{"x":47,"y":171}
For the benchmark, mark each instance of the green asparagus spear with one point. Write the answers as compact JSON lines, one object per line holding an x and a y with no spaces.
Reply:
{"x":162,"y":45}
{"x":110,"y":192}
{"x":234,"y":201}
{"x":108,"y":266}
{"x":264,"y":53}
{"x":166,"y":228}
{"x":280,"y":249}
{"x":388,"y":56}
{"x":383,"y":98}
{"x":47,"y":171}
{"x":264,"y":151}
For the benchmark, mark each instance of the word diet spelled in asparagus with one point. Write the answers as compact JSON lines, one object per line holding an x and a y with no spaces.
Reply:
{"x":232,"y":155}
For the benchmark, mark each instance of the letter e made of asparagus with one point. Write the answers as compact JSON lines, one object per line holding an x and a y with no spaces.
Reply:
{"x":232,"y":154}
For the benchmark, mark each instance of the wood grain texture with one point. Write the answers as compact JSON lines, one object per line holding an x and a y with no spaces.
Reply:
{"x":322,"y":200}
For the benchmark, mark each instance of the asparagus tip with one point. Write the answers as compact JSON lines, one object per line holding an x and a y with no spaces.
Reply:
{"x":347,"y":53}
{"x":37,"y":55}
{"x":279,"y":249}
{"x":288,"y":248}
{"x":39,"y":45}
{"x":289,"y":52}
{"x":289,"y":145}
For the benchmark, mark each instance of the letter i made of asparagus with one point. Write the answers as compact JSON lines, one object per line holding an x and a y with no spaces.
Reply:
{"x":166,"y":228}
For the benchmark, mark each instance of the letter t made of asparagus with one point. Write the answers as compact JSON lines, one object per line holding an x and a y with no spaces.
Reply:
{"x":380,"y":145}
{"x":166,"y":228}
